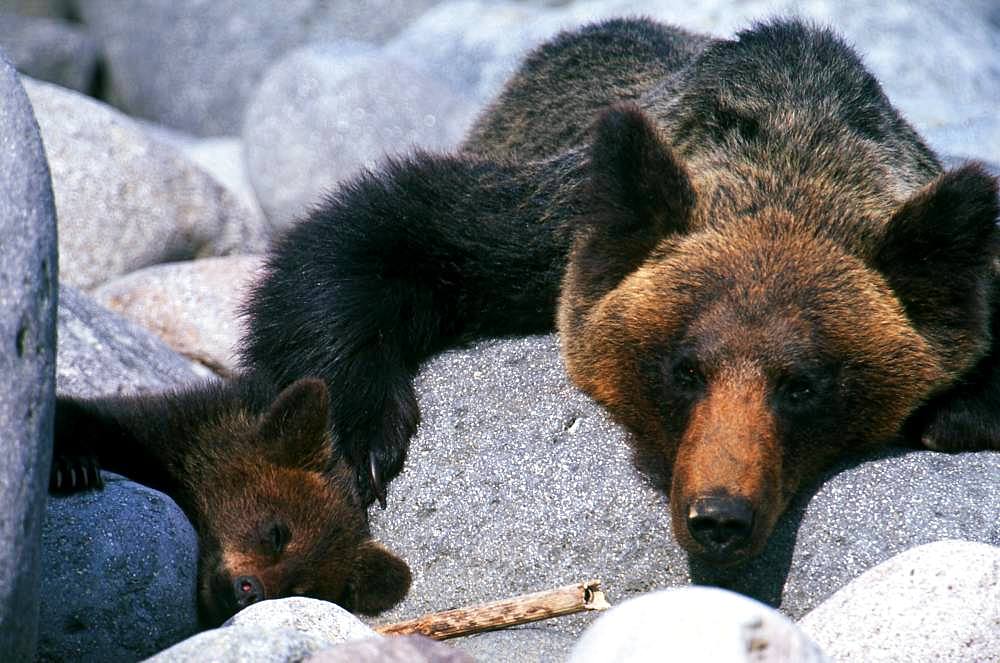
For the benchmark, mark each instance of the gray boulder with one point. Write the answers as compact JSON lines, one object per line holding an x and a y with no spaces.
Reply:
{"x":936,"y":602}
{"x":321,"y":113}
{"x":516,"y":482}
{"x":50,"y":50}
{"x":124,"y":200}
{"x":101,"y":353}
{"x":223,"y":158}
{"x":235,"y":644}
{"x":120,"y":575}
{"x":474,"y":45}
{"x":319,"y":618}
{"x":192,"y":306}
{"x":695,"y":624}
{"x":28,"y":295}
{"x":192,"y":64}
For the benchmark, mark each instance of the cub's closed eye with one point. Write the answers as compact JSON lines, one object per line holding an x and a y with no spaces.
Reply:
{"x":276,"y":537}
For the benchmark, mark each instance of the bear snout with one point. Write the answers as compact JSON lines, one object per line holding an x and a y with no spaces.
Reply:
{"x":247,"y":590}
{"x":721,"y":525}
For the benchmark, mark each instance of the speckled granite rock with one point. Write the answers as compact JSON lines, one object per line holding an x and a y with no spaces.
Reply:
{"x":193,"y":64}
{"x":124,"y":200}
{"x":236,"y":644}
{"x":319,"y":618}
{"x":192,"y":306}
{"x":516,"y":482}
{"x":50,"y":50}
{"x":322,"y":113}
{"x":394,"y":649}
{"x":102,"y":353}
{"x":936,"y":602}
{"x":28,"y":296}
{"x":120,"y":575}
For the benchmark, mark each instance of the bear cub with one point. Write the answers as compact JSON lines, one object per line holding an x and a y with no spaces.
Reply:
{"x":275,"y":510}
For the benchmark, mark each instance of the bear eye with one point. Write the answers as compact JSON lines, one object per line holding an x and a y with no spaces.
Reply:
{"x":276,"y":537}
{"x":686,"y":376}
{"x":801,"y":391}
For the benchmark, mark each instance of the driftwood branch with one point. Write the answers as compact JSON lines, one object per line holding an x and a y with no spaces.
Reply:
{"x":502,"y":614}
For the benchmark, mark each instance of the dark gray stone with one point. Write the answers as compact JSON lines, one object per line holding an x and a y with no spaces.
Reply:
{"x":394,"y":649}
{"x":120,"y":574}
{"x":516,"y":482}
{"x":50,"y":50}
{"x":101,"y":353}
{"x":320,"y":114}
{"x":192,"y":64}
{"x":126,"y":201}
{"x":28,"y":295}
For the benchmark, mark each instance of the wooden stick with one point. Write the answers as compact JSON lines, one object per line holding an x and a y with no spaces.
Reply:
{"x":502,"y":614}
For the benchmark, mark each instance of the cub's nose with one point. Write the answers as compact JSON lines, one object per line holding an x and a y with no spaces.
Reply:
{"x":721,"y":524}
{"x":247,"y":590}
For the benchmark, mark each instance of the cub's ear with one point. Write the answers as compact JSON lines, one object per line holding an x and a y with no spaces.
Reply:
{"x":295,"y":426}
{"x":378,"y":581}
{"x":938,"y":250}
{"x":637,"y":183}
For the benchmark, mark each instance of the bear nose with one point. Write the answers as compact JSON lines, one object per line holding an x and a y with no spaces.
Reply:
{"x":721,"y":524}
{"x":248,"y":590}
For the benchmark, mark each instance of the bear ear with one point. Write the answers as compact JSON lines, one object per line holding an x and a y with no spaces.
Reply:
{"x":378,"y":581}
{"x":938,"y":248}
{"x":295,"y":426}
{"x":636,"y":181}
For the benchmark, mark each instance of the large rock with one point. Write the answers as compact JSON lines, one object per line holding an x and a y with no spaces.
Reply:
{"x":101,"y":353}
{"x":50,"y":50}
{"x":124,"y":200}
{"x":695,"y":624}
{"x":223,"y":158}
{"x":235,"y":644}
{"x":516,"y":482}
{"x":312,"y":616}
{"x":193,"y":64}
{"x":937,"y":602}
{"x":120,"y":575}
{"x":193,"y":306}
{"x":321,"y":113}
{"x":28,"y":295}
{"x":475,"y":45}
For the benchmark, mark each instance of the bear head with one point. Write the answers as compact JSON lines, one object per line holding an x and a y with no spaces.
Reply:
{"x":277,"y":516}
{"x":747,"y":354}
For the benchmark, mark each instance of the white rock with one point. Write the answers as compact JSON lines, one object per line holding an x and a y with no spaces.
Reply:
{"x":694,"y":624}
{"x":936,"y":602}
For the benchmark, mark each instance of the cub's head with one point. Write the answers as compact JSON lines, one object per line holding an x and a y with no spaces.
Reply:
{"x":746,"y":354}
{"x":277,"y":517}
